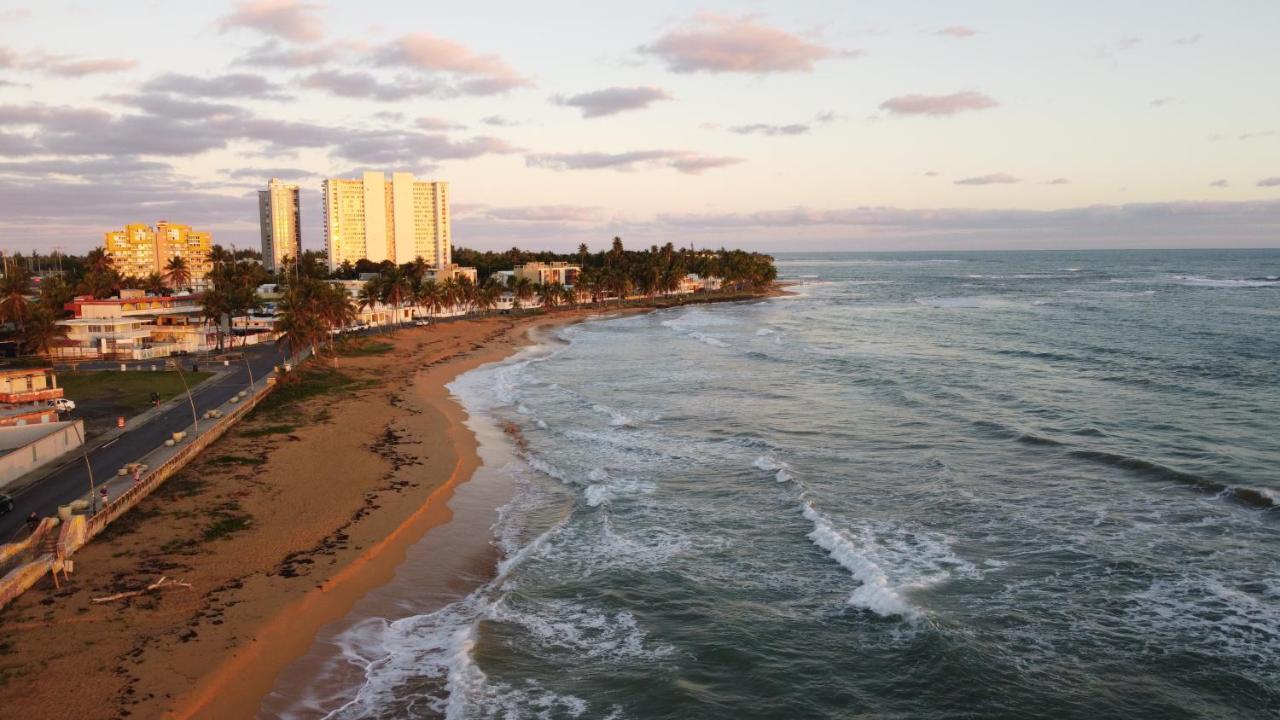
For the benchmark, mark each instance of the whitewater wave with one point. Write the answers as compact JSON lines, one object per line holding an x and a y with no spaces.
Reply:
{"x":1208,"y":282}
{"x":770,"y":464}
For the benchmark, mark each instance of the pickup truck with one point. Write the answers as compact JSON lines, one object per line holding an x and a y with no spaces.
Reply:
{"x":62,"y":404}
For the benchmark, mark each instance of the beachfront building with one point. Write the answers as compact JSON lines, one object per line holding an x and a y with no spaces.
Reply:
{"x":137,"y":326}
{"x":280,"y":220}
{"x":376,"y":219}
{"x":139,"y":250}
{"x":377,"y":314}
{"x":544,"y":273}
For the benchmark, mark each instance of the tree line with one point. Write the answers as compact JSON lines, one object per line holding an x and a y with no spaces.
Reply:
{"x":310,"y":309}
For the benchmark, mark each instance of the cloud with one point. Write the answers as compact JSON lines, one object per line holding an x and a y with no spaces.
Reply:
{"x":274,"y":54}
{"x":1058,"y":181}
{"x":234,"y":85}
{"x":438,"y":124}
{"x":1256,"y":135}
{"x":113,"y":168}
{"x":361,"y":84}
{"x":931,"y":173}
{"x":1258,"y":219}
{"x":1269,"y":182}
{"x":541,"y":213}
{"x":1187,"y":40}
{"x":1219,"y":184}
{"x":474,"y":74}
{"x":717,"y":43}
{"x":71,"y":67}
{"x":391,"y":147}
{"x":72,"y":131}
{"x":63,"y":65}
{"x":992,"y":179}
{"x":293,"y":20}
{"x":498,"y":121}
{"x":14,"y":15}
{"x":938,"y":105}
{"x":265,"y":174}
{"x":685,"y":161}
{"x":614,"y":100}
{"x":956,"y":31}
{"x":1111,"y":50}
{"x":1161,"y":102}
{"x":771,"y":130}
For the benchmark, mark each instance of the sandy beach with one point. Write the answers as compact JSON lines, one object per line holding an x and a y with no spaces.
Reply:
{"x":280,"y":527}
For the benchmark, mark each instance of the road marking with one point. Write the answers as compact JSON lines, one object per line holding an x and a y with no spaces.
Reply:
{"x":109,"y":442}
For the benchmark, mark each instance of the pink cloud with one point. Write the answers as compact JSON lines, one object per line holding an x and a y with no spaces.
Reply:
{"x":64,"y":65}
{"x":992,"y":179}
{"x":289,"y":19}
{"x":1219,"y":184}
{"x":480,"y":74}
{"x":938,"y":104}
{"x":1269,"y":182}
{"x":716,"y":43}
{"x":957,"y":31}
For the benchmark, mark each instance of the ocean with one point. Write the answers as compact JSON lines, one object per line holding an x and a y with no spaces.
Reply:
{"x":926,"y":485}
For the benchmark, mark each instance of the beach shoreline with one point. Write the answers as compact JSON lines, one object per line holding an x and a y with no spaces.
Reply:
{"x":260,"y":601}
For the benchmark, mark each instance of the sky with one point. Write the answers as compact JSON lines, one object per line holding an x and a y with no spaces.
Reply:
{"x":777,"y":126}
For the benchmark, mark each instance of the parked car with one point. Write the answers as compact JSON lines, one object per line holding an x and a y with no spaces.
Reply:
{"x":422,"y":322}
{"x":6,"y":504}
{"x":62,"y":404}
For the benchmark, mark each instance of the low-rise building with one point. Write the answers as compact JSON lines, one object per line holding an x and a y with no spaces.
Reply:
{"x":135,"y":326}
{"x":28,"y":385}
{"x":546,"y":273}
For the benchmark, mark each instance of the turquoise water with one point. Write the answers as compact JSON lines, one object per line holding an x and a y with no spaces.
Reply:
{"x":998,"y":485}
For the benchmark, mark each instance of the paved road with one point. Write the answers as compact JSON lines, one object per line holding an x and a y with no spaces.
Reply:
{"x":71,"y":481}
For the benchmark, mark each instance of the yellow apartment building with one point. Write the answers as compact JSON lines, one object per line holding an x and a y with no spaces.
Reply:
{"x":139,"y":250}
{"x":399,"y":219}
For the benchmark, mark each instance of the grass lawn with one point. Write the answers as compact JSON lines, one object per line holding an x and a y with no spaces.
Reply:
{"x":123,"y":392}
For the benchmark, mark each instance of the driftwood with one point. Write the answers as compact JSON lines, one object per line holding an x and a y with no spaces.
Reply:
{"x":160,"y":584}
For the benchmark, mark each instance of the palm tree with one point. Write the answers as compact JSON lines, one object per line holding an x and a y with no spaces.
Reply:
{"x":336,"y":310}
{"x":214,"y":305}
{"x":549,"y":295}
{"x":55,"y":294}
{"x":487,"y":296}
{"x":177,"y":273}
{"x":430,"y":296}
{"x":42,"y":331}
{"x":97,"y":260}
{"x":154,"y":284}
{"x":370,"y":294}
{"x":524,"y":291}
{"x":15,"y":286}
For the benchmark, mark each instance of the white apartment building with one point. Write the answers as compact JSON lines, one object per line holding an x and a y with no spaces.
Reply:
{"x":376,"y":219}
{"x":280,"y":219}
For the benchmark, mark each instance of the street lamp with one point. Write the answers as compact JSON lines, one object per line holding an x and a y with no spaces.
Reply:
{"x":195,"y":420}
